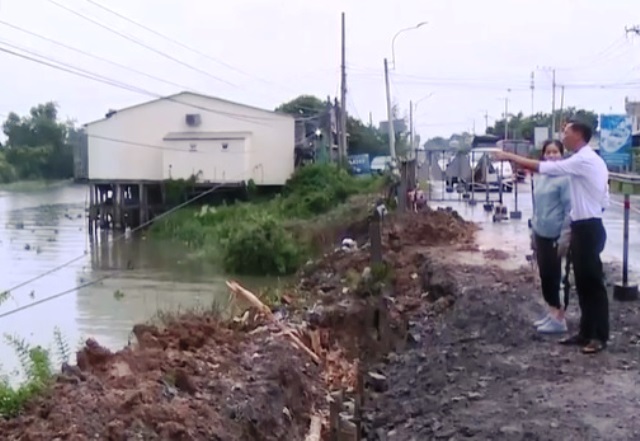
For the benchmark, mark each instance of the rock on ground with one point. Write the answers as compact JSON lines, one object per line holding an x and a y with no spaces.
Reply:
{"x":480,"y":372}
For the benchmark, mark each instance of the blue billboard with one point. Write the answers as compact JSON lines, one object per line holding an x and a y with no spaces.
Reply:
{"x":360,"y":164}
{"x":616,"y":138}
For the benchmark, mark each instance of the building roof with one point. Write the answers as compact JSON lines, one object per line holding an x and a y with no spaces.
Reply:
{"x":175,"y":95}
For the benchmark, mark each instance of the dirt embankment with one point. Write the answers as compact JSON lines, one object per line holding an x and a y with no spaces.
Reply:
{"x":199,"y":379}
{"x":481,"y":372}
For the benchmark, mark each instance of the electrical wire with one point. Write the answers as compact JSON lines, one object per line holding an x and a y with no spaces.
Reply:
{"x":80,"y":257}
{"x":154,"y":146}
{"x":99,"y":78}
{"x":96,"y":57}
{"x":141,"y":43}
{"x":103,"y":59}
{"x":179,"y":43}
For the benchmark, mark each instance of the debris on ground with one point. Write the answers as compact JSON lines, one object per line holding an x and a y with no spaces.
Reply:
{"x":480,"y":371}
{"x":262,"y":376}
{"x":191,"y":380}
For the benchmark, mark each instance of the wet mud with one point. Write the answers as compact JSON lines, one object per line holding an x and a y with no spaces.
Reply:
{"x":479,"y":371}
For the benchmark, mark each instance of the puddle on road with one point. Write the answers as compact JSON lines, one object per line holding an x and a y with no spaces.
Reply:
{"x":512,"y":236}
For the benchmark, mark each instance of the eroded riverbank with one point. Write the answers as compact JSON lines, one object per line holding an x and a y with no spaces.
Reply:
{"x":239,"y":380}
{"x":441,"y":341}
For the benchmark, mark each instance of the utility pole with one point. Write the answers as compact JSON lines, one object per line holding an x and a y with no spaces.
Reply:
{"x":633,"y":30}
{"x":392,"y":130}
{"x":486,"y":121}
{"x":411,"y":135}
{"x":370,"y":119}
{"x":553,"y":104}
{"x":561,"y":105}
{"x":343,"y":98}
{"x":506,"y":115}
{"x":506,"y":118}
{"x":533,"y":86}
{"x":553,"y":99}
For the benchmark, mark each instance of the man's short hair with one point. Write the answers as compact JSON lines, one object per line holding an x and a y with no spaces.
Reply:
{"x":583,"y":129}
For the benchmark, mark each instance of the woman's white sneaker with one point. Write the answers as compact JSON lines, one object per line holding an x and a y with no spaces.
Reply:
{"x":541,"y":321}
{"x":553,"y":326}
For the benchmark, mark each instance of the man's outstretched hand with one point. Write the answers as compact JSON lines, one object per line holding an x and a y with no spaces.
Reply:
{"x":501,"y":155}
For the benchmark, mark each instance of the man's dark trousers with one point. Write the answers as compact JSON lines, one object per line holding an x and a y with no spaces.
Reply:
{"x":588,"y":238}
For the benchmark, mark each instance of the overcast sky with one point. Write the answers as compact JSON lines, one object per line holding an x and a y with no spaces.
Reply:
{"x":265,"y":52}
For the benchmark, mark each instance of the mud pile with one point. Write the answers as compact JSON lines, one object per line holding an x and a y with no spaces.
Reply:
{"x":198,"y":379}
{"x":193,"y":380}
{"x":480,"y":371}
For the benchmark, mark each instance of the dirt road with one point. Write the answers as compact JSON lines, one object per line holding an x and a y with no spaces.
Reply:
{"x":480,"y":371}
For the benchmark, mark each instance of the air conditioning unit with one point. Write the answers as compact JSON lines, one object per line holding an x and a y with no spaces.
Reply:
{"x":193,"y":119}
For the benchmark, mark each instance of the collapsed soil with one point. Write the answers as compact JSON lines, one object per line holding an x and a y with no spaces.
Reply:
{"x":480,"y":371}
{"x":193,"y":380}
{"x":198,"y":379}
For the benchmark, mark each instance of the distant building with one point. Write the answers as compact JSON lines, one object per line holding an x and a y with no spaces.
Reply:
{"x":633,"y":110}
{"x":400,"y":126}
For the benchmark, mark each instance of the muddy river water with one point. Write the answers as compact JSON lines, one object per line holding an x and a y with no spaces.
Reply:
{"x":46,"y":229}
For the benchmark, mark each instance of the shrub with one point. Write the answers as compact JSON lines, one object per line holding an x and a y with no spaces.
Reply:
{"x":251,"y":238}
{"x":38,"y":373}
{"x":261,"y":245}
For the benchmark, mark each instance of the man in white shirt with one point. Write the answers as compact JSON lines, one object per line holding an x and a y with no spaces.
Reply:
{"x":589,"y":197}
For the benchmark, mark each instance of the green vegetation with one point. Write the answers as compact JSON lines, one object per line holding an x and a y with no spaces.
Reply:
{"x":37,"y":372}
{"x":38,"y":146}
{"x":363,"y":138}
{"x":520,"y":127}
{"x":266,"y":237}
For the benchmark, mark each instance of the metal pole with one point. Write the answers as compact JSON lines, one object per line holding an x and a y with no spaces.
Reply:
{"x":392,"y":134}
{"x":553,"y":105}
{"x":501,"y":184}
{"x":444,"y":176}
{"x":515,"y":213}
{"x":343,"y":97}
{"x":473,"y":178}
{"x":625,"y":241}
{"x":411,"y":134}
{"x":624,"y":291}
{"x":506,"y":118}
{"x":488,"y":206}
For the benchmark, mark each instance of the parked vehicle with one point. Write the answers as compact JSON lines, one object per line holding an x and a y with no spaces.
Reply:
{"x":498,"y":172}
{"x":520,"y":147}
{"x":379,"y":164}
{"x":466,"y":172}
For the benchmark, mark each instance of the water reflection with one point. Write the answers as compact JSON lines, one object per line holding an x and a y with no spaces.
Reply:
{"x":45,"y":229}
{"x":144,"y":277}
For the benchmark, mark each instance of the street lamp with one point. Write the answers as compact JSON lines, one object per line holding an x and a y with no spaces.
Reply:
{"x":413,"y":108}
{"x":393,"y":41}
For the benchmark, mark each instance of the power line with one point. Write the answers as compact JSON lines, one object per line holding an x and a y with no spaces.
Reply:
{"x":96,"y":77}
{"x":153,"y":146}
{"x":177,"y":42}
{"x":75,"y":259}
{"x":141,"y":43}
{"x":89,"y":54}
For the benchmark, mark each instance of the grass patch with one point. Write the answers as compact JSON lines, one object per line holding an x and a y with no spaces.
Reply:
{"x":274,"y":236}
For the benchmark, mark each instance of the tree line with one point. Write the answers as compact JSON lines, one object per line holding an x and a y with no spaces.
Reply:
{"x":37,"y":146}
{"x":520,"y":127}
{"x":362,"y":137}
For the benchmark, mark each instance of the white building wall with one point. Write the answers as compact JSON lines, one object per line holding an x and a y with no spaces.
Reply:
{"x":211,"y":160}
{"x":131,"y":144}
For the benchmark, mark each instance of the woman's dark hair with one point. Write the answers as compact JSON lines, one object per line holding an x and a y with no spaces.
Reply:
{"x":554,"y":142}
